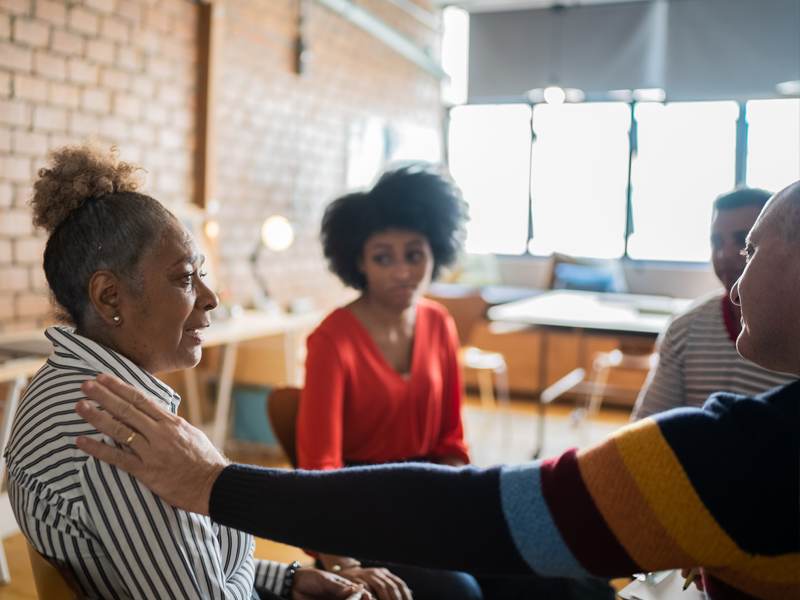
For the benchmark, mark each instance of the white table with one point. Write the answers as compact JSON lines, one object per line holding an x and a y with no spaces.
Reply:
{"x":627,"y":313}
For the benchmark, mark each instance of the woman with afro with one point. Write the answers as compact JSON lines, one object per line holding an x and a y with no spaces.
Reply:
{"x":383,"y":381}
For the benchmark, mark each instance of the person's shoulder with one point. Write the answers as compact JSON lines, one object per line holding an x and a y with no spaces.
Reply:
{"x":681,"y":324}
{"x":781,"y":400}
{"x":426,"y":304}
{"x":339,"y":332}
{"x":434,"y":315}
{"x":338,"y":320}
{"x":773,"y":417}
{"x":58,"y":379}
{"x":433,"y":310}
{"x":707,"y":305}
{"x":45,"y":424}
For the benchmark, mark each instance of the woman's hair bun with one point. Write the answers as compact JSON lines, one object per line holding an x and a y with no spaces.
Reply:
{"x":76,"y":174}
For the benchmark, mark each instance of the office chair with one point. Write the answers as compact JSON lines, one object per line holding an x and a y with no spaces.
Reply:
{"x":53,"y":579}
{"x":282,"y":407}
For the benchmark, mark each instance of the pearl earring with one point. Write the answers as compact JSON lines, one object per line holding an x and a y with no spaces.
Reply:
{"x":116,"y":319}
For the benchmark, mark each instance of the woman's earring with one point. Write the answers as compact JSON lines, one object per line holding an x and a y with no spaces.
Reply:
{"x":116,"y":319}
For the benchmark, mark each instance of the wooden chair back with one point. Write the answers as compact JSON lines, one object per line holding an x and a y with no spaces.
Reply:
{"x":53,"y":579}
{"x":282,"y":407}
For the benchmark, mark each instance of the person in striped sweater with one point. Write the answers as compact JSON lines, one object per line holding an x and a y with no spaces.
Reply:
{"x":129,"y":276}
{"x":715,"y":487}
{"x":697,"y":351}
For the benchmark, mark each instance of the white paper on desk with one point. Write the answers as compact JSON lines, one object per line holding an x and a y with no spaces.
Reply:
{"x":669,"y":589}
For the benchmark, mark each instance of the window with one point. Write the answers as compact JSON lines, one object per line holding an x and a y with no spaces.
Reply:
{"x":686,"y":158}
{"x":773,"y":148}
{"x":572,"y":182}
{"x":489,"y":153}
{"x":455,"y":49}
{"x":579,"y":179}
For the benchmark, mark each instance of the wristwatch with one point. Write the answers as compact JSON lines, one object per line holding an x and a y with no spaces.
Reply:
{"x":288,"y":578}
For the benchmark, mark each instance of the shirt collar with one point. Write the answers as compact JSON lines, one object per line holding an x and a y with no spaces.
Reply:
{"x":71,"y":350}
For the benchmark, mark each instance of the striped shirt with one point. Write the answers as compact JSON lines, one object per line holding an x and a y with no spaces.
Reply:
{"x":697,"y":357}
{"x":119,"y":539}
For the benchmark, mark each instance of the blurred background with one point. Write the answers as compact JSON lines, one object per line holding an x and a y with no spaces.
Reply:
{"x":589,"y":139}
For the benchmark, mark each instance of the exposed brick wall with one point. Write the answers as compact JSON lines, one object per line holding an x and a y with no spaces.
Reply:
{"x":283,"y":137}
{"x":126,"y":70}
{"x":122,"y":69}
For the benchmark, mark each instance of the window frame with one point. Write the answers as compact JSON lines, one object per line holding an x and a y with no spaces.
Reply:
{"x":740,"y":154}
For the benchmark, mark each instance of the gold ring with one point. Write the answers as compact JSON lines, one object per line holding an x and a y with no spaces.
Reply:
{"x":130,"y":439}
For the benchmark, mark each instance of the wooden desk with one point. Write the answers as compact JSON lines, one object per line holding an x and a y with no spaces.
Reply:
{"x":629,"y":313}
{"x":228,"y":334}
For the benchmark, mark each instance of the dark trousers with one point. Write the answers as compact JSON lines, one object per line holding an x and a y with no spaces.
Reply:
{"x":433,"y":584}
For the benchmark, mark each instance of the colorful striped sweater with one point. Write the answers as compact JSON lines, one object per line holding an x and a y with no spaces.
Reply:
{"x":717,"y":487}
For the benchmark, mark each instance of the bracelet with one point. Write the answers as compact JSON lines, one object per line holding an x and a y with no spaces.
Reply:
{"x":339,"y":568}
{"x":288,"y":577}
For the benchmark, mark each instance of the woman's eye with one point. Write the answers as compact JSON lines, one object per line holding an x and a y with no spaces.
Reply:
{"x":414,"y":256}
{"x":747,"y":252}
{"x":382,"y":259}
{"x":203,"y":274}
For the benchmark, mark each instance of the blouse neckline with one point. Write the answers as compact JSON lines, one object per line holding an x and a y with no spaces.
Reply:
{"x":373,"y":345}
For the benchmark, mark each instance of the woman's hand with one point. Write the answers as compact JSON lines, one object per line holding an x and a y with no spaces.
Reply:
{"x":169,"y":456}
{"x":313,"y":584}
{"x":381,"y":582}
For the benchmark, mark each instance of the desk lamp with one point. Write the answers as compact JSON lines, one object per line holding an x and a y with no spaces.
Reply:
{"x":277,"y":235}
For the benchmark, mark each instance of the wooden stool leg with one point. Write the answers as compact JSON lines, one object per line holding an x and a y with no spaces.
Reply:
{"x":485,"y":386}
{"x":593,"y":405}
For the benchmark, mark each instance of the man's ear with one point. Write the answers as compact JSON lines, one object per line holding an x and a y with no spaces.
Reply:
{"x":104,"y":294}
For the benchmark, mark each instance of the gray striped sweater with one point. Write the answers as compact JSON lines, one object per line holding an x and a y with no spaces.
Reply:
{"x":697,"y":357}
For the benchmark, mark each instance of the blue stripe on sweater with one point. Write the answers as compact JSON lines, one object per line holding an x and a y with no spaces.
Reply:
{"x":535,"y":534}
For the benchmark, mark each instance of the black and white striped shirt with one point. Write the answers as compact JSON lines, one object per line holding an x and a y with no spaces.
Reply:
{"x":697,"y":357}
{"x":119,"y":539}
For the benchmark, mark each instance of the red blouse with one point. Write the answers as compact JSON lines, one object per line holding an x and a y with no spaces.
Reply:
{"x":356,"y":407}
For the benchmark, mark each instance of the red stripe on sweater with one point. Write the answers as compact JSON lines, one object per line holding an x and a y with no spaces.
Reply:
{"x":580,"y":523}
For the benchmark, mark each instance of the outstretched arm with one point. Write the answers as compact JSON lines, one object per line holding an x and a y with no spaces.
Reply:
{"x":179,"y":464}
{"x":664,"y":493}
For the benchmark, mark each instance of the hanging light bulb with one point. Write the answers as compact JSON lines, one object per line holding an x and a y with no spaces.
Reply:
{"x":277,"y":233}
{"x":212,"y":229}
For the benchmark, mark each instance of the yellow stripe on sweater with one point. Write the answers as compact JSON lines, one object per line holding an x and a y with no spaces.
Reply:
{"x":626,"y":511}
{"x":674,"y":501}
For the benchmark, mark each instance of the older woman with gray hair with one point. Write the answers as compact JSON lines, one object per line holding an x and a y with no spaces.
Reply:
{"x":128,"y":277}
